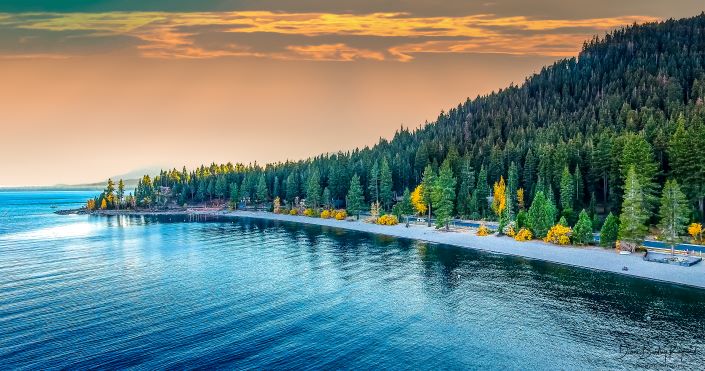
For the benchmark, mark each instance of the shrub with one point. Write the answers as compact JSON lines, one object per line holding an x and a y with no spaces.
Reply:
{"x":309,"y":212}
{"x":483,"y":231}
{"x":523,"y":235}
{"x":325,"y":214}
{"x":293,"y":212}
{"x":388,"y":219}
{"x":558,"y":234}
{"x":341,"y":214}
{"x":510,"y":229}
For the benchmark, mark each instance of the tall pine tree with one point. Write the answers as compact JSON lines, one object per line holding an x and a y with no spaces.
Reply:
{"x":444,"y":195}
{"x":632,"y":221}
{"x":674,"y":213}
{"x":355,"y":198}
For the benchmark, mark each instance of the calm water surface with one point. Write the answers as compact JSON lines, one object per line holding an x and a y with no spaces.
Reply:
{"x":148,"y":293}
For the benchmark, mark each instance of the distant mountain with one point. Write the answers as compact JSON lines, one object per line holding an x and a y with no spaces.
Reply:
{"x":130,"y":184}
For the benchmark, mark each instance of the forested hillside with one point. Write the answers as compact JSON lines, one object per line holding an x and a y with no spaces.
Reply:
{"x":635,"y":98}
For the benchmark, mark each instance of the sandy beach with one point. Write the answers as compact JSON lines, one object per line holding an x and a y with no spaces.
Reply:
{"x":590,"y":257}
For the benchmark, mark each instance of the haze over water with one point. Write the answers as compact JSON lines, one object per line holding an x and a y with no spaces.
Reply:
{"x":84,"y":291}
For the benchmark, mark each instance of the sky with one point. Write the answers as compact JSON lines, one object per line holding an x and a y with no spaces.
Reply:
{"x":94,"y":89}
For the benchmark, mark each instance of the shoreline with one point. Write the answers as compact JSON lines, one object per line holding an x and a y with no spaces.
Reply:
{"x":588,"y":257}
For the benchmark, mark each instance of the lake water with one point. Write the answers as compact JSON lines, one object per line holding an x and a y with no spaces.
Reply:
{"x":83,"y":292}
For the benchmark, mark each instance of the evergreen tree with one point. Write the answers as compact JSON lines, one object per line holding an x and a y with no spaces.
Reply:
{"x":601,"y":163}
{"x":638,"y":153}
{"x":262,"y":191}
{"x":221,"y":187}
{"x":579,"y":187}
{"x":385,"y":184}
{"x":292,"y":187}
{"x":483,"y":193}
{"x":428,"y":183}
{"x":674,"y":213}
{"x":684,"y":149}
{"x":276,"y":192}
{"x":355,"y":199}
{"x":582,"y":232}
{"x":473,"y":205}
{"x":540,"y":216}
{"x":120,"y":192}
{"x":201,"y":191}
{"x":632,"y":221}
{"x":234,"y":193}
{"x":530,"y":171}
{"x":313,"y":189}
{"x":610,"y":231}
{"x":406,"y":207}
{"x":373,"y":182}
{"x":444,"y":195}
{"x":110,"y":189}
{"x":211,"y":189}
{"x":327,"y":198}
{"x":512,"y":188}
{"x":467,"y":186}
{"x":567,"y":189}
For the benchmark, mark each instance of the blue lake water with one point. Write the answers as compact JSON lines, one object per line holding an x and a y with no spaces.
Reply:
{"x":83,"y":292}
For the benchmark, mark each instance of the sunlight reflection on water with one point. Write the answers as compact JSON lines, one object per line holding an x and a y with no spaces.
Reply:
{"x":75,"y":230}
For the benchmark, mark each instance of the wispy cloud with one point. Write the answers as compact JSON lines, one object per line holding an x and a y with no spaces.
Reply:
{"x":206,"y":34}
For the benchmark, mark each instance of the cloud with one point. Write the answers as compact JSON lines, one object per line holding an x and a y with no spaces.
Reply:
{"x":206,"y":34}
{"x":332,"y":52}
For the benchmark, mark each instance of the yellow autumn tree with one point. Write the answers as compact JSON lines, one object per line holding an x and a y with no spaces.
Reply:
{"x":559,"y":235}
{"x":499,"y":200}
{"x":417,"y":200}
{"x":695,"y":231}
{"x":375,"y":209}
{"x":520,"y":198}
{"x":90,"y":204}
{"x":277,"y":206}
{"x":103,"y":205}
{"x":523,"y":235}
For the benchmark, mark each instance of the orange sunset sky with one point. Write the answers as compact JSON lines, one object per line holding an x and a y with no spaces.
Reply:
{"x":93,"y":89}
